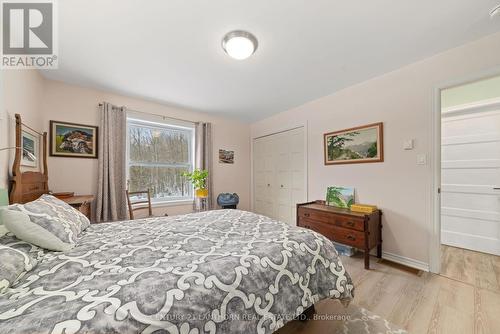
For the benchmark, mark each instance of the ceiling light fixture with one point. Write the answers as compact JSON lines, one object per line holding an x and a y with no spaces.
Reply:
{"x":239,"y":44}
{"x":495,"y":12}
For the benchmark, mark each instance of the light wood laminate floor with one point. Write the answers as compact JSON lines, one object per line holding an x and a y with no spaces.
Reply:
{"x":478,"y":269}
{"x":419,"y":303}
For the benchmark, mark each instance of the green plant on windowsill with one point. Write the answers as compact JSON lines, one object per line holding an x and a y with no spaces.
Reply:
{"x":199,"y":180}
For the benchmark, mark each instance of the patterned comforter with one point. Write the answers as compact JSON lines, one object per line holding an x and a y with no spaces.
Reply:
{"x":225,"y":271}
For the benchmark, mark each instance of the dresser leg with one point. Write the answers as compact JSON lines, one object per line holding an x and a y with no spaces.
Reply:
{"x":367,"y":259}
{"x":379,"y":251}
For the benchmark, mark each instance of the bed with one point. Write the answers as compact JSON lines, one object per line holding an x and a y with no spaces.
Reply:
{"x":222,"y":271}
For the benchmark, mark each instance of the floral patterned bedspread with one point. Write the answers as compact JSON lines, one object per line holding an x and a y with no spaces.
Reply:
{"x":225,"y":271}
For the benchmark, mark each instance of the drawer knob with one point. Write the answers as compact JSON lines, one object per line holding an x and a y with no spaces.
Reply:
{"x":350,"y":224}
{"x":351,"y":237}
{"x":306,"y":215}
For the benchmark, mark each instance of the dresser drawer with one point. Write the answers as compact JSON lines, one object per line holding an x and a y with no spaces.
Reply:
{"x":343,"y":235}
{"x":347,"y":222}
{"x":322,"y":228}
{"x":349,"y":237}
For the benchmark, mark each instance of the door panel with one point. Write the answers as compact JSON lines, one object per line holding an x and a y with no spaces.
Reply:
{"x":470,"y":176}
{"x":471,"y":151}
{"x":470,"y":206}
{"x":279,"y":174}
{"x":263,"y":174}
{"x":298,"y":172}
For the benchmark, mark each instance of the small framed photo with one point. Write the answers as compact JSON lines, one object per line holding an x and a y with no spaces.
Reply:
{"x":355,"y":145}
{"x":226,"y":157}
{"x":73,"y":140}
{"x":30,"y":146}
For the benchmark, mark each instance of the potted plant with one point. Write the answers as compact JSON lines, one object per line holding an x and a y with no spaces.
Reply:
{"x":199,"y":180}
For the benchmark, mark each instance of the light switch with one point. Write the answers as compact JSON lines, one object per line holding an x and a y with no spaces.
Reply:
{"x":421,"y":159}
{"x":408,"y":144}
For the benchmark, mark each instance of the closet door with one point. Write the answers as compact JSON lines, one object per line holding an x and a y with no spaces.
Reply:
{"x":264,"y":176}
{"x":283,"y":177}
{"x":279,"y":175}
{"x":259,"y":176}
{"x":297,"y":171}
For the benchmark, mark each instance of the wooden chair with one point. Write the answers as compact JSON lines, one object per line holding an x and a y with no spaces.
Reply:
{"x":138,"y":205}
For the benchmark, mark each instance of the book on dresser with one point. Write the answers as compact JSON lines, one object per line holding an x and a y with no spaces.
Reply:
{"x":360,"y":230}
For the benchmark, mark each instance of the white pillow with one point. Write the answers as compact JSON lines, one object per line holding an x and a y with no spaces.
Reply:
{"x":22,"y":227}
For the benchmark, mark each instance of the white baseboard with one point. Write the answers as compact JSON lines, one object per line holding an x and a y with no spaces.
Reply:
{"x":406,"y":261}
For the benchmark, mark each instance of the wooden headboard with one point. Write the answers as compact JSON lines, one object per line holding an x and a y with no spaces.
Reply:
{"x":28,"y":186}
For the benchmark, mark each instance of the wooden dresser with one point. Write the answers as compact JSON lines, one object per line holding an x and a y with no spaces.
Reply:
{"x":359,"y":230}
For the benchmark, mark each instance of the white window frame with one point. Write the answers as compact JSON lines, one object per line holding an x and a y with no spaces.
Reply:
{"x":147,"y":121}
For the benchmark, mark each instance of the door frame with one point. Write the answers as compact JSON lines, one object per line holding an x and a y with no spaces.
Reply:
{"x":435,"y":205}
{"x":268,"y":133}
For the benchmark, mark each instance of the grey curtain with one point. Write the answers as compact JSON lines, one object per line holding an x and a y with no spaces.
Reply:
{"x":111,"y":201}
{"x":204,"y":156}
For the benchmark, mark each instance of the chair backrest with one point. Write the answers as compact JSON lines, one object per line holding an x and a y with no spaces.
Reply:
{"x":134,"y":205}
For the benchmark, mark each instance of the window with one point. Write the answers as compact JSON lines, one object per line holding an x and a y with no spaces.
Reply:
{"x":158,"y":154}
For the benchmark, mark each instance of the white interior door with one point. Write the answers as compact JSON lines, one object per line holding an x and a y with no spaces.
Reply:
{"x":279,"y":174}
{"x":283,"y":177}
{"x":264,"y":176}
{"x":470,"y":172}
{"x":298,"y":175}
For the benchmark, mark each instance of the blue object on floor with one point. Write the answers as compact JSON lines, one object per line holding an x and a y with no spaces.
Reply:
{"x":344,"y":249}
{"x":4,"y":197}
{"x":228,"y":201}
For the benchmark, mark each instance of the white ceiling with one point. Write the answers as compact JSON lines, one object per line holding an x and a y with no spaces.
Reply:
{"x":169,"y":50}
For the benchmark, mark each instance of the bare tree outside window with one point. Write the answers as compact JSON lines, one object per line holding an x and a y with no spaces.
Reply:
{"x":158,"y":155}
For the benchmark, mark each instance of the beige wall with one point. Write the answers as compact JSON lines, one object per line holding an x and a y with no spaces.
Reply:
{"x":403,"y":100}
{"x":64,"y":102}
{"x":39,"y":101}
{"x":22,"y":94}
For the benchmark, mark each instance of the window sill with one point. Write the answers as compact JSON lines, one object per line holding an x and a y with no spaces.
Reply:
{"x":160,"y":204}
{"x":172,"y":203}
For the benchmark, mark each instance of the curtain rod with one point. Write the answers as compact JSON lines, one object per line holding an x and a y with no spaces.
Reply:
{"x":162,"y":116}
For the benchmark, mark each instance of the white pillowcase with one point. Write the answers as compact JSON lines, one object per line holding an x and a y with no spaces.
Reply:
{"x":47,"y":222}
{"x":22,"y":227}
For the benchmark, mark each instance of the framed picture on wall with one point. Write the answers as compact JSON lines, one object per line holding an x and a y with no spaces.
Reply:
{"x":226,"y":157}
{"x":30,"y":146}
{"x":73,"y":140}
{"x":355,"y":145}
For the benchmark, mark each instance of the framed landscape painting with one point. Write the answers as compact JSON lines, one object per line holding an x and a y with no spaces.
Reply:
{"x":73,"y":140}
{"x":356,"y":145}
